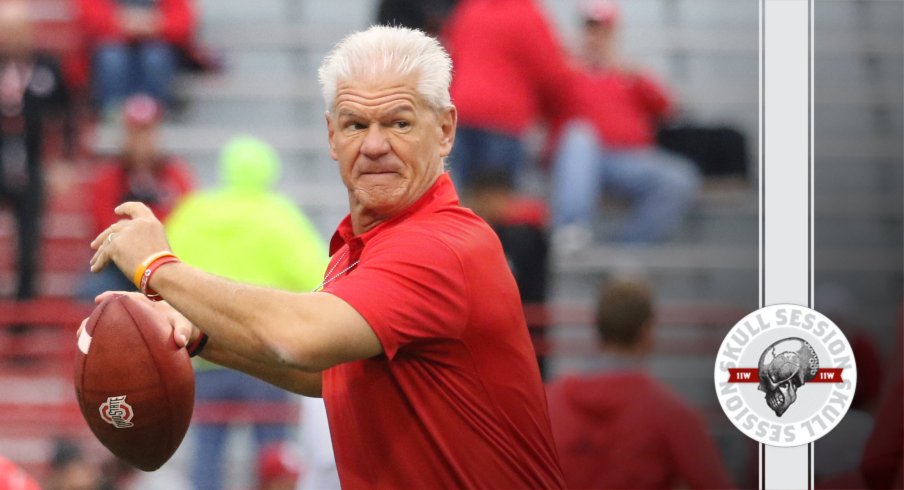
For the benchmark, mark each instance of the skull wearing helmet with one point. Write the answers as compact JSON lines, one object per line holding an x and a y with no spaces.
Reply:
{"x":784,"y":367}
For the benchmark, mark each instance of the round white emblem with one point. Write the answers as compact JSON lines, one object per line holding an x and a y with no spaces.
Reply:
{"x":785,"y":375}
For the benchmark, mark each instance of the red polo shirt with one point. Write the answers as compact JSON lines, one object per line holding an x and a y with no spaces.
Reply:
{"x":456,"y":399}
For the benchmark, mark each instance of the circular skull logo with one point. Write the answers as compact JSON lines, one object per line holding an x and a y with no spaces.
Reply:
{"x":785,"y":375}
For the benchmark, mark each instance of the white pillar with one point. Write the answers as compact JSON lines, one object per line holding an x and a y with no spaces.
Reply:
{"x":785,"y":191}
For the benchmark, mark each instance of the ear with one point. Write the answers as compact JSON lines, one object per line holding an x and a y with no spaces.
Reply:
{"x":331,"y":132}
{"x":448,"y":122}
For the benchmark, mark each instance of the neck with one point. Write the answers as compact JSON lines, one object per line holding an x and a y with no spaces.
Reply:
{"x":622,"y":351}
{"x":364,"y":220}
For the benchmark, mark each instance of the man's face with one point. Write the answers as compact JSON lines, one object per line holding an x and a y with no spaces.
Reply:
{"x":388,"y":142}
{"x":141,"y":145}
{"x":600,"y":42}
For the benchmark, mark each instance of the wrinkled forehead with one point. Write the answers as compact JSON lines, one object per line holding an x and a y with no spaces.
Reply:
{"x":385,"y":92}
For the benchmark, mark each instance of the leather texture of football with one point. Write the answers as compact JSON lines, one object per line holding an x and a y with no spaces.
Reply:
{"x":135,"y":387}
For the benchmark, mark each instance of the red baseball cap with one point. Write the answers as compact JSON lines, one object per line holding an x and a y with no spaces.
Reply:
{"x":601,"y":11}
{"x":142,"y":110}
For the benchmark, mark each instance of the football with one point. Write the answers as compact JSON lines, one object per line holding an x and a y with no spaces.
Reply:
{"x":135,"y":387}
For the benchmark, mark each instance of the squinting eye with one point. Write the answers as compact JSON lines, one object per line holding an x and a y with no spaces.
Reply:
{"x":402,"y":124}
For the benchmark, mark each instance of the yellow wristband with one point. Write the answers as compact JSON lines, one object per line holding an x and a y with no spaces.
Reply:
{"x":139,"y":271}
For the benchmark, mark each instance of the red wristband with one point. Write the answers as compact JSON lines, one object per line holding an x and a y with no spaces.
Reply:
{"x":144,"y":284}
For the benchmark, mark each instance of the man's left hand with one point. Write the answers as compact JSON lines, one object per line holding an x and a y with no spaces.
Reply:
{"x":129,"y":241}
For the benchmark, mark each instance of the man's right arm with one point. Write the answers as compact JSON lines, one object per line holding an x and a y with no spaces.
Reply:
{"x":297,"y":381}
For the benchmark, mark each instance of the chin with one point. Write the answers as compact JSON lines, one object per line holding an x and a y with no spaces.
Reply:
{"x":380,"y":199}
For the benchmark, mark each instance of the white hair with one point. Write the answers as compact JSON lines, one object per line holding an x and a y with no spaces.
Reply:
{"x":388,"y":50}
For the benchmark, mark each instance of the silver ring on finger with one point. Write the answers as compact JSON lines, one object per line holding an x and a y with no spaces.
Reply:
{"x":110,"y":237}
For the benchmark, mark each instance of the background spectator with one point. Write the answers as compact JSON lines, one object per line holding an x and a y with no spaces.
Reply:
{"x":609,"y":145}
{"x":618,"y":427}
{"x":243,"y":231}
{"x":135,"y":47}
{"x":141,"y":172}
{"x":510,"y":72}
{"x":33,"y":94}
{"x":521,"y":223}
{"x":71,"y":469}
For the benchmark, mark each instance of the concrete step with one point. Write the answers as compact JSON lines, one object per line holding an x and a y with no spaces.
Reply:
{"x":188,"y":138}
{"x":686,"y":40}
{"x":216,"y":12}
{"x":680,"y":258}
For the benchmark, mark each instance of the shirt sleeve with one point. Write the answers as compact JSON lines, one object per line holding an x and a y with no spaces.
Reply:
{"x":410,"y":288}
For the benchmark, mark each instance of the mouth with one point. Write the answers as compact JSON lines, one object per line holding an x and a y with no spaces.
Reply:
{"x":775,"y":401}
{"x":379,"y":174}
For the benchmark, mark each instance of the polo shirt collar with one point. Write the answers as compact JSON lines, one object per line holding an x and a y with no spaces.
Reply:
{"x":441,"y":193}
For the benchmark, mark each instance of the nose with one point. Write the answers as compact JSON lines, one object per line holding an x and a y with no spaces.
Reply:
{"x":375,"y":142}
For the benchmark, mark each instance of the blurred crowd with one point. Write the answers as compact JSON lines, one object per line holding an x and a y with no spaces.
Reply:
{"x":602,"y":147}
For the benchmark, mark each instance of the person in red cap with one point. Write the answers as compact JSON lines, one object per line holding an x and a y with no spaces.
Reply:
{"x":141,"y":172}
{"x":607,"y":146}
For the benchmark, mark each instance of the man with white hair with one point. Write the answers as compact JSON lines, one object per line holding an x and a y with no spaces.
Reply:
{"x":416,"y":338}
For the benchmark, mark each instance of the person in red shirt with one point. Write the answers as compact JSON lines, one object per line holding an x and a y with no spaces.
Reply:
{"x":617,"y":426}
{"x":135,"y":46}
{"x":139,"y":173}
{"x":608,"y":145}
{"x":510,"y":73}
{"x":416,"y":338}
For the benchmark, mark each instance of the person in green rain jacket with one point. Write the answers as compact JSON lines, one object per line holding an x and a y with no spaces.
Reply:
{"x":244,"y":231}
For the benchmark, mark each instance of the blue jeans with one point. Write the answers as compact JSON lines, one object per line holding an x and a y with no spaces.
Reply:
{"x":660,"y":185}
{"x":477,"y":151}
{"x":226,"y":385}
{"x":123,"y":69}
